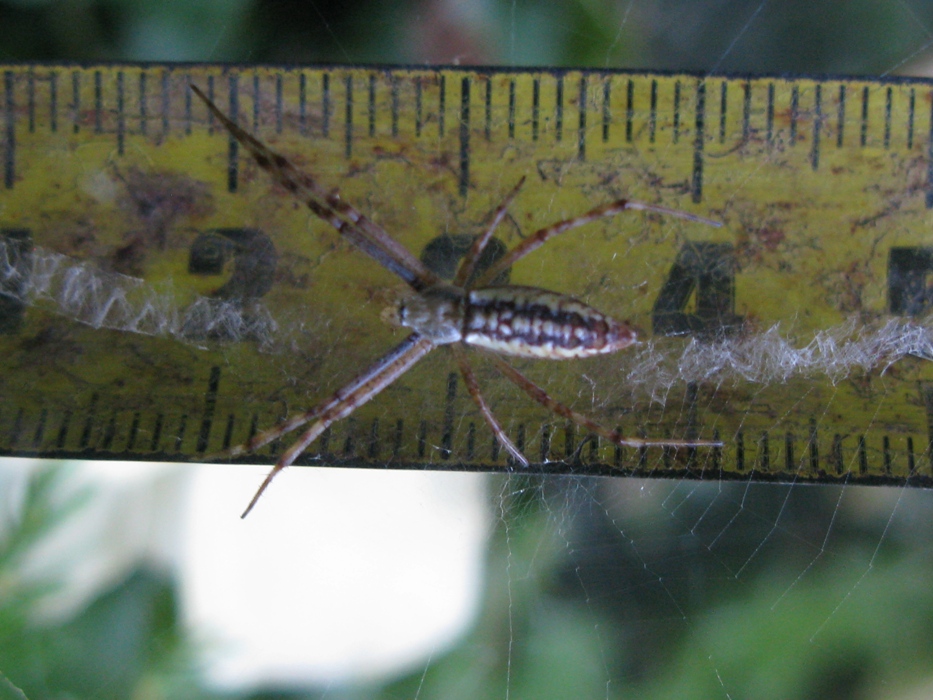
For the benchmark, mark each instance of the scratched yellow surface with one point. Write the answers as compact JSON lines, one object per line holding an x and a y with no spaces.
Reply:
{"x":119,"y":169}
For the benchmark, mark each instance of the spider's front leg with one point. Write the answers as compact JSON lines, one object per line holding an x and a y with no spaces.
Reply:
{"x":541,"y":236}
{"x":462,"y":278}
{"x":369,"y":237}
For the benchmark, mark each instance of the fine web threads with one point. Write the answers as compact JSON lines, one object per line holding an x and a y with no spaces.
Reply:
{"x":83,"y":292}
{"x":770,"y":357}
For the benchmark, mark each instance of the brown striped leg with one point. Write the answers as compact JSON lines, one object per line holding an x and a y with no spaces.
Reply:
{"x":614,"y":436}
{"x":479,"y":244}
{"x":473,"y":388}
{"x":380,"y":375}
{"x":540,"y":237}
{"x":367,"y":235}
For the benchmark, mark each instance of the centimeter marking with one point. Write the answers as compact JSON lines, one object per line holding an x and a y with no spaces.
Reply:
{"x":101,"y":112}
{"x":141,"y":101}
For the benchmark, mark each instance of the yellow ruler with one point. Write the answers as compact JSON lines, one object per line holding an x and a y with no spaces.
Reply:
{"x":160,"y":299}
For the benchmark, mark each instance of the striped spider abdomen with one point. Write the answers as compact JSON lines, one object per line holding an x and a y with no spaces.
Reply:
{"x":536,"y":323}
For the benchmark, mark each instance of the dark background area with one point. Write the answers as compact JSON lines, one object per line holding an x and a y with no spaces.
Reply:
{"x":791,"y":36}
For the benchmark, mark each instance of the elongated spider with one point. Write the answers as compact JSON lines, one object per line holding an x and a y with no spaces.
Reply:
{"x":504,"y":319}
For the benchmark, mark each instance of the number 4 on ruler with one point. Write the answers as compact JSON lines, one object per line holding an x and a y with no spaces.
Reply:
{"x":708,"y":271}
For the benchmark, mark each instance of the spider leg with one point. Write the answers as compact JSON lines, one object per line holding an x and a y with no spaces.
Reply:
{"x":479,"y":244}
{"x":371,"y":238}
{"x":266,"y":436}
{"x":473,"y":387}
{"x":346,"y":400}
{"x":614,"y":436}
{"x":540,"y":237}
{"x":290,"y":424}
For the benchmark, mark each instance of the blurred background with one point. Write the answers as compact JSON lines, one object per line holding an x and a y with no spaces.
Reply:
{"x":797,"y":36}
{"x":571,"y":587}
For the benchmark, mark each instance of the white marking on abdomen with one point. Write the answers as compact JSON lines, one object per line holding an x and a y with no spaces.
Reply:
{"x":531,"y":322}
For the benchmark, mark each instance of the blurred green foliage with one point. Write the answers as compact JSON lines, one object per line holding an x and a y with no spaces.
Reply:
{"x":580,"y":602}
{"x":125,"y":644}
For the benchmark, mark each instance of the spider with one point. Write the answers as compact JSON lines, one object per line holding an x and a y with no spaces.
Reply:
{"x":503,"y":319}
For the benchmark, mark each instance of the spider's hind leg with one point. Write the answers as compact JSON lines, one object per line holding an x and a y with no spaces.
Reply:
{"x":473,"y":387}
{"x":613,"y":436}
